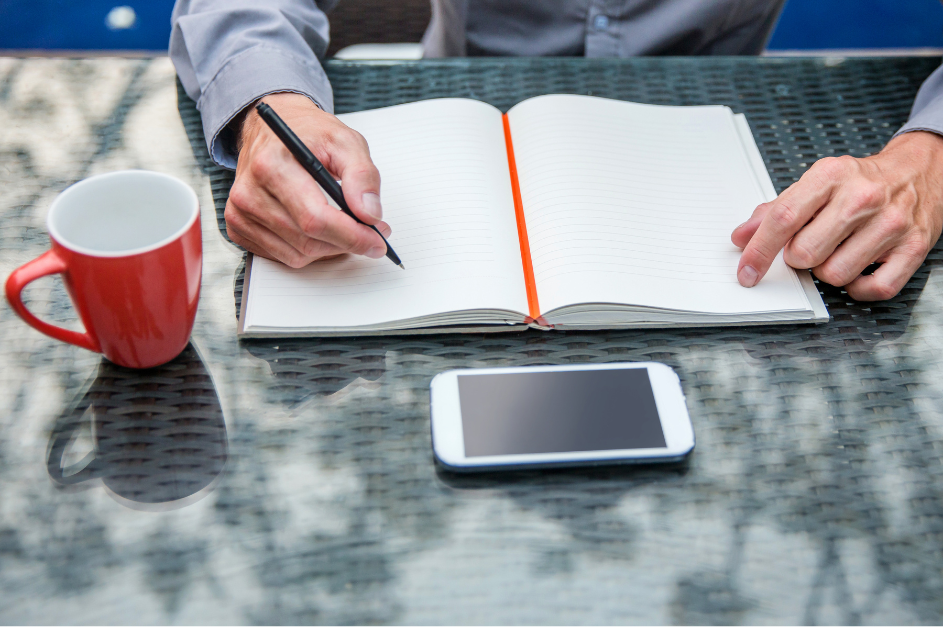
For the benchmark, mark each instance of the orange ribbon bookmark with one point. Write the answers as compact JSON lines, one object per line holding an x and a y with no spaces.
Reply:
{"x":533,"y":307}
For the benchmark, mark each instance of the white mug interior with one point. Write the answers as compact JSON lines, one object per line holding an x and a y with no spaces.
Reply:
{"x":122,"y":213}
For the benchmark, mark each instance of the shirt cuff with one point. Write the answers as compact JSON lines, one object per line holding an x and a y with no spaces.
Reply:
{"x":245,"y":78}
{"x":928,"y":110}
{"x":927,"y":119}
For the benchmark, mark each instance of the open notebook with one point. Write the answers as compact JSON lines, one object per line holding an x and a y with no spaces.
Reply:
{"x":568,"y":212}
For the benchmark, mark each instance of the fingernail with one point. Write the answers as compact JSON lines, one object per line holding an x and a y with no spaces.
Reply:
{"x":376,"y":252}
{"x":747,"y":276}
{"x":372,"y":205}
{"x":740,"y":225}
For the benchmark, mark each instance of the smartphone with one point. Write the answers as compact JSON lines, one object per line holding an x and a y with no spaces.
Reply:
{"x":495,"y":418}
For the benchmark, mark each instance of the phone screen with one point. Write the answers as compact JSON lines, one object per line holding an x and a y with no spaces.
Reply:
{"x":558,"y":412}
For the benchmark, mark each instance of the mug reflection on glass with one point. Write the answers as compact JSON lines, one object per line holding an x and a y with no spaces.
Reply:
{"x":128,"y":246}
{"x":158,"y":437}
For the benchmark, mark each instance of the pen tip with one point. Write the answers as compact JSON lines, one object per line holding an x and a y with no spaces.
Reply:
{"x":401,"y":266}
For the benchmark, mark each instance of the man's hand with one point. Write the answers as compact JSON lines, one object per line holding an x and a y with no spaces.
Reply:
{"x":275,"y":209}
{"x":846,"y":213}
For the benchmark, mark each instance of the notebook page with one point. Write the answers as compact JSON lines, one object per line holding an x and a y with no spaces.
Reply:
{"x":635,"y":204}
{"x":446,"y":194}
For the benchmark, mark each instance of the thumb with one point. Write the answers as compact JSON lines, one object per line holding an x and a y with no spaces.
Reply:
{"x":360,"y":179}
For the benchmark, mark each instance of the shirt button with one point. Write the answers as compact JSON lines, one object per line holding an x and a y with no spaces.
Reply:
{"x":600,"y":22}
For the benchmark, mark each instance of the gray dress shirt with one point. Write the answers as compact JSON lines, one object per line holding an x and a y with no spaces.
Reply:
{"x":230,"y":53}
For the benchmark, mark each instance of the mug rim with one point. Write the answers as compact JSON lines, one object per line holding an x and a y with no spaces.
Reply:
{"x":64,"y":194}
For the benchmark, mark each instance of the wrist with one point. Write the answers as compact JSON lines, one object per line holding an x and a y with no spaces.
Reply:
{"x":246,"y":123}
{"x":914,"y":147}
{"x":911,"y":167}
{"x":911,"y":161}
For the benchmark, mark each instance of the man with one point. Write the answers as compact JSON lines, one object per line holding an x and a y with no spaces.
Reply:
{"x":843,"y":215}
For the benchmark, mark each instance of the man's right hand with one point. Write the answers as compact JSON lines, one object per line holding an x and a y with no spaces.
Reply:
{"x":275,"y":209}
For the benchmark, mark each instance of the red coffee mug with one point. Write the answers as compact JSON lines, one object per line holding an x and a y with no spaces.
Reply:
{"x":129,"y":248}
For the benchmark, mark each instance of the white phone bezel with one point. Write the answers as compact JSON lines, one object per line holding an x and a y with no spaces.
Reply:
{"x":446,"y":421}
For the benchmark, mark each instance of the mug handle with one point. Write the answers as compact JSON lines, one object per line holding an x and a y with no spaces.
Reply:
{"x":44,"y":265}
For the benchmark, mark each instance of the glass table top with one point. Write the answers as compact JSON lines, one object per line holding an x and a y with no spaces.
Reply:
{"x":292,"y":481}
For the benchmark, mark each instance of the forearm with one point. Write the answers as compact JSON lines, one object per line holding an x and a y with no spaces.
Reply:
{"x":230,"y":53}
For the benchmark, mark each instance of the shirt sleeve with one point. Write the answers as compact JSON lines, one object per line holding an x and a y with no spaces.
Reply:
{"x":230,"y":53}
{"x":928,"y":110}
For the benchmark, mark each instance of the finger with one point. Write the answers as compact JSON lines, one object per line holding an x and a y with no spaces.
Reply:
{"x":248,"y":243}
{"x":313,"y":250}
{"x":743,"y":233}
{"x":258,"y":234}
{"x":854,"y":255}
{"x":253,"y":204}
{"x":275,"y":249}
{"x":784,"y":218}
{"x":349,"y":158}
{"x":257,"y":239}
{"x":888,"y":279}
{"x":846,"y":212}
{"x":287,"y":182}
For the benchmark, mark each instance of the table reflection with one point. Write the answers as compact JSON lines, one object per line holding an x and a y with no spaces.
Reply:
{"x":155,"y":439}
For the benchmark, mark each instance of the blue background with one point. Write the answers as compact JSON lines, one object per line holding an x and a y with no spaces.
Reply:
{"x":805,"y":24}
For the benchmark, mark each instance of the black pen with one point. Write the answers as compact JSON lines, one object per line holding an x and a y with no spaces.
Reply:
{"x":318,"y":172}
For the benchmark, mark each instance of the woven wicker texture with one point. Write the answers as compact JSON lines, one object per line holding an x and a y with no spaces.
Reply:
{"x":799,"y":110}
{"x":160,"y":436}
{"x":807,"y":412}
{"x":377,"y":22}
{"x":294,"y":479}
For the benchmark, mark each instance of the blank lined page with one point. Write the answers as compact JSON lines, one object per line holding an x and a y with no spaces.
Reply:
{"x":635,"y":204}
{"x":446,"y":194}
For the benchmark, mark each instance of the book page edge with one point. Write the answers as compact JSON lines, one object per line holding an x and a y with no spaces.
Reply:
{"x":820,"y":313}
{"x":769,"y":193}
{"x":294,"y":333}
{"x":241,"y":326}
{"x":747,"y":322}
{"x":754,"y":158}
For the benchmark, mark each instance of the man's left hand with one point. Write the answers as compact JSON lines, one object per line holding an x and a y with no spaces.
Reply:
{"x":845,"y":214}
